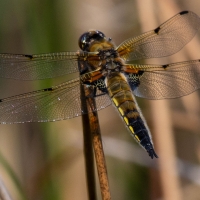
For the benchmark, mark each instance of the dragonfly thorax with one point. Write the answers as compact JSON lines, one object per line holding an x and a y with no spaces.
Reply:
{"x":110,"y":60}
{"x":111,"y":66}
{"x":108,"y":54}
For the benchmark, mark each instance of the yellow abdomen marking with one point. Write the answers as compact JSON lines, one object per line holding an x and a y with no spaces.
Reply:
{"x":115,"y":101}
{"x":137,"y":138}
{"x":126,"y":120}
{"x":131,"y":129}
{"x":121,"y":111}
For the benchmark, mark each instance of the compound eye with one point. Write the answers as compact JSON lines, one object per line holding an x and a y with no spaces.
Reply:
{"x":83,"y":41}
{"x":88,"y":37}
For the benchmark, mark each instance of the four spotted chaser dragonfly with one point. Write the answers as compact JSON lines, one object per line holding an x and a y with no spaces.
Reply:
{"x":108,"y":71}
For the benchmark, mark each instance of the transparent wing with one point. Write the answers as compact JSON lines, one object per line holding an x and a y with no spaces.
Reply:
{"x":165,"y":40}
{"x":51,"y":104}
{"x":166,"y":81}
{"x":40,"y":66}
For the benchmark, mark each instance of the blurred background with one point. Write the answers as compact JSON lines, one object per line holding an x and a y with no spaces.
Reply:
{"x":45,"y":161}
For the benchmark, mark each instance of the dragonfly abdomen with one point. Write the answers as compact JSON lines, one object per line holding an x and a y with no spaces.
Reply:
{"x":123,"y":99}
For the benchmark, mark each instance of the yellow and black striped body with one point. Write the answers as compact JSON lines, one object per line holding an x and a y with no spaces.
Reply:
{"x":122,"y":97}
{"x":107,"y":77}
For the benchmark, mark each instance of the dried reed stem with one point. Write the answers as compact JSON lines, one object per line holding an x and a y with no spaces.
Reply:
{"x":92,"y":130}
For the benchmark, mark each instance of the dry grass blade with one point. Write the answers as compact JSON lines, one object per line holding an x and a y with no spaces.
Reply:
{"x":163,"y":133}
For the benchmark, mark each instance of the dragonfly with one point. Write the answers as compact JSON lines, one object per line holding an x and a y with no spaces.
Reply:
{"x":111,"y":73}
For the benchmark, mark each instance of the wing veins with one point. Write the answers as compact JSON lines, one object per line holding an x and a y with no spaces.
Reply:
{"x":167,"y":39}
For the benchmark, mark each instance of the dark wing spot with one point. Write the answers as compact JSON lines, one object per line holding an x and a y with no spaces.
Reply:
{"x":29,"y":56}
{"x":134,"y":79}
{"x":1,"y":100}
{"x":183,"y":12}
{"x":48,"y":89}
{"x":157,"y":30}
{"x":165,"y":66}
{"x":140,"y":72}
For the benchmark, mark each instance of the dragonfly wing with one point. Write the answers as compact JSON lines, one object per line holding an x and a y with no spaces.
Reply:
{"x":40,"y":66}
{"x":102,"y":100}
{"x":165,"y":81}
{"x":51,"y":104}
{"x":167,"y":39}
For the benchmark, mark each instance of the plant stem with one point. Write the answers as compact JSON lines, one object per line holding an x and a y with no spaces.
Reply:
{"x":93,"y":130}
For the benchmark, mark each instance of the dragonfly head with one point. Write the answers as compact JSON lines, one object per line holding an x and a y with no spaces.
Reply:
{"x":87,"y":38}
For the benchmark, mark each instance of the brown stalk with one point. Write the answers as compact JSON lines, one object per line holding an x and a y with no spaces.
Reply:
{"x":92,"y":141}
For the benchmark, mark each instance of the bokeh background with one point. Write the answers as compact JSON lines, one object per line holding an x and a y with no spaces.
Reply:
{"x":45,"y":161}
